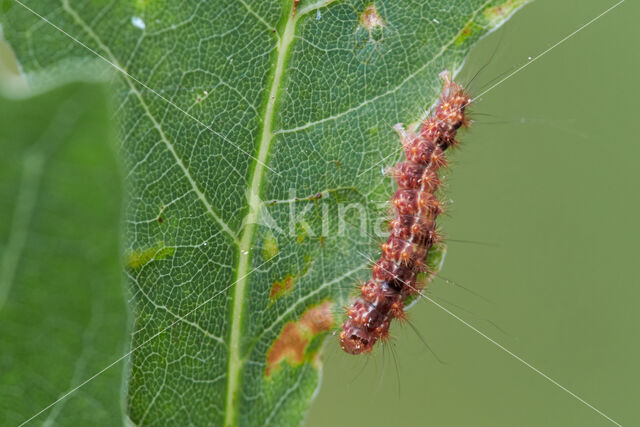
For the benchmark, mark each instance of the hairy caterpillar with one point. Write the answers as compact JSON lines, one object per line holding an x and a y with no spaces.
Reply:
{"x":413,"y":230}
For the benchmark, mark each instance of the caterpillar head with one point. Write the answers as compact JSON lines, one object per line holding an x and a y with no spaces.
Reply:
{"x":356,"y":341}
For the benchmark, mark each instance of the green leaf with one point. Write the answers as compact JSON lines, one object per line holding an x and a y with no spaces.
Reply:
{"x":249,"y":132}
{"x":62,"y":311}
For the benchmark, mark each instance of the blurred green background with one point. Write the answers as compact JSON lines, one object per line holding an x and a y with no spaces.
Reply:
{"x":546,"y":181}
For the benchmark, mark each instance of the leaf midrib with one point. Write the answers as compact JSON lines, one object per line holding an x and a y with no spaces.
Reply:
{"x":246,"y":239}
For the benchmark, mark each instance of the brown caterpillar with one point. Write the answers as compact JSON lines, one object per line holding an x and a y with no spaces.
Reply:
{"x":413,"y":230}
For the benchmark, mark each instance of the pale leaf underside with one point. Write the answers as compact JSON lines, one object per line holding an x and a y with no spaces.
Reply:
{"x":233,"y":114}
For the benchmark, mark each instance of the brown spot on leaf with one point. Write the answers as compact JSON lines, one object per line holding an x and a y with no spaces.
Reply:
{"x":495,"y":15}
{"x":370,"y":18}
{"x":279,"y":288}
{"x":318,"y":319}
{"x":291,"y":345}
{"x":466,"y":32}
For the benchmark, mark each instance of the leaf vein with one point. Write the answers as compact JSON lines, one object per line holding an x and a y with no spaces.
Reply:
{"x":67,"y":8}
{"x":390,"y":91}
{"x":177,"y":316}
